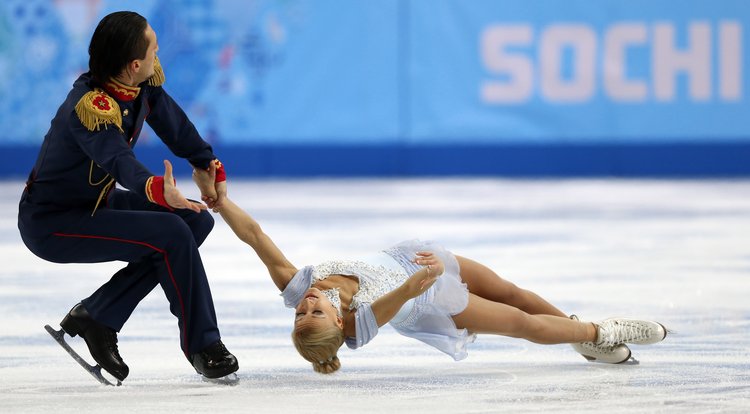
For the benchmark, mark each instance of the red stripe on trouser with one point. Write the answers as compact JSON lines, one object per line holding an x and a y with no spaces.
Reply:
{"x":169,"y":271}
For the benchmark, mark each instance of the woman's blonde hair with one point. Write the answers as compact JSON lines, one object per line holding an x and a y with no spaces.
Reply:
{"x":319,"y":346}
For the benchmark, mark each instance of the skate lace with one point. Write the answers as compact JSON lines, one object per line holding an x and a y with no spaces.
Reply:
{"x":597,"y":348}
{"x":615,"y":332}
{"x":592,"y":347}
{"x":215,"y":352}
{"x":111,"y":341}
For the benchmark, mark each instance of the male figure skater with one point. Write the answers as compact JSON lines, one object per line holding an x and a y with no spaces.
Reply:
{"x":71,"y":212}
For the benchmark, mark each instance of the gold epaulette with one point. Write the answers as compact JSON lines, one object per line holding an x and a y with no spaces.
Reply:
{"x":158,"y":78}
{"x":96,"y":108}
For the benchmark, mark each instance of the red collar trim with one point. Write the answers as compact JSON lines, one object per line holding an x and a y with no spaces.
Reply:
{"x":120,"y":91}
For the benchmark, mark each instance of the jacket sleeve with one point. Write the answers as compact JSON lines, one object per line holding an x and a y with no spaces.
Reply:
{"x":174,"y":128}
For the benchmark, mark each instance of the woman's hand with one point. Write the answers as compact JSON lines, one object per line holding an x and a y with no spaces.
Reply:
{"x":421,"y":280}
{"x":432,"y":262}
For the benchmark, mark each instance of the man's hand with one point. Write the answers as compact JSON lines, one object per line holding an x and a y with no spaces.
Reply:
{"x":172,"y":195}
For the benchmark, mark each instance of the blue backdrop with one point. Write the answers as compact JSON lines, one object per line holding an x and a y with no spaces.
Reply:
{"x":415,"y":87}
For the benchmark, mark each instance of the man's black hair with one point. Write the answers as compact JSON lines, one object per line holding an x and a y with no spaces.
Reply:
{"x":119,"y":39}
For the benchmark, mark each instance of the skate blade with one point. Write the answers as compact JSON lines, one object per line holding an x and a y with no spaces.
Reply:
{"x":630,"y":361}
{"x":231,"y":380}
{"x":94,"y":370}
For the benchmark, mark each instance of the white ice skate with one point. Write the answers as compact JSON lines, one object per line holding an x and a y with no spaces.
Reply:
{"x":616,"y":331}
{"x":600,"y":353}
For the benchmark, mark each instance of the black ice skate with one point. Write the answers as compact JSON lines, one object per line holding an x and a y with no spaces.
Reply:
{"x":100,"y":340}
{"x":94,"y":370}
{"x":216,"y":364}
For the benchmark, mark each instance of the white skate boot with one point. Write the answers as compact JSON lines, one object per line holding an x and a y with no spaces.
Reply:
{"x":601,"y":353}
{"x":616,"y":331}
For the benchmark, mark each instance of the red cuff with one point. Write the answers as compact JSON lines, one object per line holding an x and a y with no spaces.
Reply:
{"x":221,"y":175}
{"x":155,"y":191}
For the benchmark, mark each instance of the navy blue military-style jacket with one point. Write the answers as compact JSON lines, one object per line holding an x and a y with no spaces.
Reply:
{"x":89,"y":147}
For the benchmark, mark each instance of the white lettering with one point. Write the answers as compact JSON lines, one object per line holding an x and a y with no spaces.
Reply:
{"x":563,"y":64}
{"x":581,"y":40}
{"x":618,"y":39}
{"x":695,"y":61}
{"x":730,"y":61}
{"x":518,"y":68}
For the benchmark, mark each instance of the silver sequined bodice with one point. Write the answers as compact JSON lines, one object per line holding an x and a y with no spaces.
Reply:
{"x":374,"y":280}
{"x":335,"y":298}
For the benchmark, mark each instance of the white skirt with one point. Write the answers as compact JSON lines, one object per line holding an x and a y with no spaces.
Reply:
{"x":428,"y":316}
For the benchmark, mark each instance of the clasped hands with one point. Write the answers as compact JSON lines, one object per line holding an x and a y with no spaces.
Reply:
{"x":212,"y":193}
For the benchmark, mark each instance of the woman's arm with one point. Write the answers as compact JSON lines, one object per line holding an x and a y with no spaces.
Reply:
{"x":249,"y":231}
{"x":245,"y":227}
{"x":388,"y":305}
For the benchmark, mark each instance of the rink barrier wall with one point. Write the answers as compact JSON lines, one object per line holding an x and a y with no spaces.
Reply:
{"x":402,"y":160}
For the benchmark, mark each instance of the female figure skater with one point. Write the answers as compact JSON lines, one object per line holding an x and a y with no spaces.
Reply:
{"x":424,"y":292}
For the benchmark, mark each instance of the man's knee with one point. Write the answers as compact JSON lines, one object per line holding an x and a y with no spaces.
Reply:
{"x":203,"y":226}
{"x":175,"y":228}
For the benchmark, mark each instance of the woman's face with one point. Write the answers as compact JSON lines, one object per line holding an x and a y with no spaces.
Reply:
{"x":315,"y":310}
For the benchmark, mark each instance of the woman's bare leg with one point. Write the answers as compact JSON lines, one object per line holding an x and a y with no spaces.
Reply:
{"x":485,"y":283}
{"x":487,"y":316}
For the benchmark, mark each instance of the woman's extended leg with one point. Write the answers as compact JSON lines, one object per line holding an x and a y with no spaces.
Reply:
{"x":485,"y":283}
{"x":487,"y":316}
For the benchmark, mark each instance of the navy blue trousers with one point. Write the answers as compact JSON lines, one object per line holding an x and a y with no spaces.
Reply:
{"x":160,"y":247}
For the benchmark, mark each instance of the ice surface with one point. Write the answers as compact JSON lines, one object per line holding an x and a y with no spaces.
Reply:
{"x":674,"y":251}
